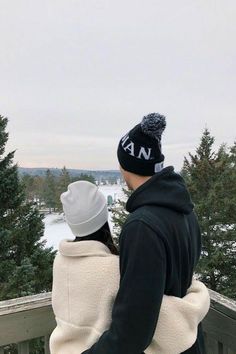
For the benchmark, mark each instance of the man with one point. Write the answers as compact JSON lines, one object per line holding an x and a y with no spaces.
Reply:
{"x":160,"y":243}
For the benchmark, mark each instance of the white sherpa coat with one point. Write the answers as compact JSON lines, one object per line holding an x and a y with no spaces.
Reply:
{"x":85,"y":284}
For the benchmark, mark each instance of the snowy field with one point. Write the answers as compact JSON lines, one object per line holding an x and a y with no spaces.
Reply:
{"x":56,"y":228}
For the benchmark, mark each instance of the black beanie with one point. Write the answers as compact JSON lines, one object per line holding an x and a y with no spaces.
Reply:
{"x":139,"y":151}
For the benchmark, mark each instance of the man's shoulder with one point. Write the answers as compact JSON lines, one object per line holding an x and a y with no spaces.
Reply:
{"x":142,"y":222}
{"x":147,"y":214}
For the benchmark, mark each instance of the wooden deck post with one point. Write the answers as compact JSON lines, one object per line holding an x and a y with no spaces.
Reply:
{"x":23,"y":347}
{"x":46,"y":344}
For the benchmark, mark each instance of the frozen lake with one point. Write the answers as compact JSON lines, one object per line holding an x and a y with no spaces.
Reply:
{"x":56,"y":228}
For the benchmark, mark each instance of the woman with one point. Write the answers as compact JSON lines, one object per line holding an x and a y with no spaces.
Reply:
{"x":86,"y":280}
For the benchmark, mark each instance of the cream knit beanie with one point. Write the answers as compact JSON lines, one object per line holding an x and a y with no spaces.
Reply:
{"x":85,"y":208}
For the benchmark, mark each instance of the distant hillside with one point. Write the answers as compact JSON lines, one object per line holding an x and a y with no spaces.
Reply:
{"x":103,"y":174}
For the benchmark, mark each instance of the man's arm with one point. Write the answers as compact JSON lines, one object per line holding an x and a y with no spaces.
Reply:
{"x":142,"y":283}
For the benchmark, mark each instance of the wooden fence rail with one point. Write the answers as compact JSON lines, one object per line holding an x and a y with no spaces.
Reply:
{"x":30,"y":317}
{"x":220,"y":325}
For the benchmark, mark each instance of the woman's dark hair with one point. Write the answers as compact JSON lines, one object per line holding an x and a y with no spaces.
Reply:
{"x":103,"y":235}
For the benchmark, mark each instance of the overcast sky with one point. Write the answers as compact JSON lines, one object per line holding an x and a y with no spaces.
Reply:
{"x":76,"y":75}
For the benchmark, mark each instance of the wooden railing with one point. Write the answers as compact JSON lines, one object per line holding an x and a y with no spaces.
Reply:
{"x":26,"y":318}
{"x":31,"y":317}
{"x":220,"y":325}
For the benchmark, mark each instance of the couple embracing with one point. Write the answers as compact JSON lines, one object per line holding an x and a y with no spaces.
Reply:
{"x":142,"y":298}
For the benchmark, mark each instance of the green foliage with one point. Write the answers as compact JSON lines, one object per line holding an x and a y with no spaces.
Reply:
{"x":49,"y":190}
{"x":9,"y":182}
{"x":211,"y":178}
{"x":64,"y":180}
{"x":25,"y":263}
{"x":84,"y":177}
{"x":61,"y":186}
{"x":33,"y":188}
{"x":119,"y":215}
{"x":46,"y":190}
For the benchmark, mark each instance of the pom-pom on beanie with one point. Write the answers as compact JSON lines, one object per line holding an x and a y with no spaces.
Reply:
{"x":85,"y":208}
{"x":139,"y":151}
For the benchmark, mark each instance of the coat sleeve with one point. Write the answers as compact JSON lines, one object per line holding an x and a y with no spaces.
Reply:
{"x":142,"y":283}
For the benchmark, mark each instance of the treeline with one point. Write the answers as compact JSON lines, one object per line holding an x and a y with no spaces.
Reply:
{"x":45,"y":190}
{"x":101,"y":176}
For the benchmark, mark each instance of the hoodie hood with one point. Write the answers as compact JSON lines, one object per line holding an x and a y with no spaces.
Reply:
{"x":165,"y":189}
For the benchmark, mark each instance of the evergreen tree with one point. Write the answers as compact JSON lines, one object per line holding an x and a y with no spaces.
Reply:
{"x":49,"y":191}
{"x":33,"y":188}
{"x":38,"y":189}
{"x":63,"y":181}
{"x":120,"y":215}
{"x":29,"y":187}
{"x":25,"y":263}
{"x":211,"y":179}
{"x":11,"y":194}
{"x":84,"y":177}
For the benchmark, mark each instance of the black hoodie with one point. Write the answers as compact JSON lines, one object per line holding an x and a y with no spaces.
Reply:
{"x":160,"y":245}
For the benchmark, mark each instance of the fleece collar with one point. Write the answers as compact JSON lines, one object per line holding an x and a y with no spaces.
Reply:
{"x":83,"y":248}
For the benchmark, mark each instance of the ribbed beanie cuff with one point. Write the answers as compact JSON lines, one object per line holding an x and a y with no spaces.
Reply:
{"x":88,"y":227}
{"x":138,"y":166}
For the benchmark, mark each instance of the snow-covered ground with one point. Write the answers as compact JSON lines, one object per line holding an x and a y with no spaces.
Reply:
{"x":114,"y":190}
{"x":56,"y":228}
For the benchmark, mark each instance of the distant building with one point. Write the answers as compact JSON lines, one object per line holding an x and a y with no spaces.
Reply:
{"x":109,"y":200}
